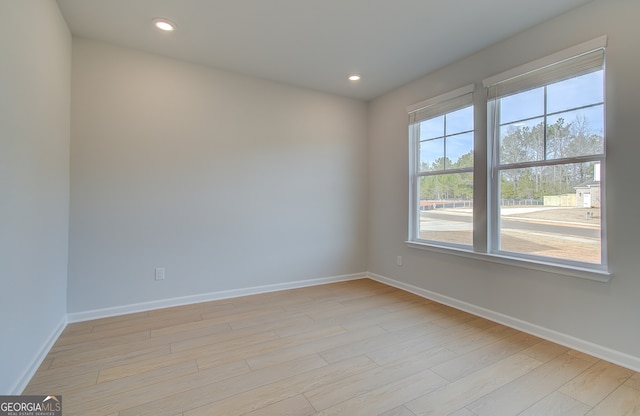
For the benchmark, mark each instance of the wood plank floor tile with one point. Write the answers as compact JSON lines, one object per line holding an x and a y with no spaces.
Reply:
{"x":294,"y":406}
{"x":188,"y":330}
{"x":159,"y":362}
{"x":317,"y":346}
{"x":203,"y":395}
{"x":149,"y":322}
{"x":468,"y":363}
{"x":592,"y":386}
{"x":98,"y":353}
{"x":122,"y":385}
{"x":634,"y":381}
{"x":557,"y":404}
{"x":456,"y":395}
{"x":83,"y":342}
{"x":286,"y":388}
{"x":140,"y":395}
{"x":349,"y":348}
{"x":545,"y":351}
{"x":624,"y":401}
{"x":387,"y":397}
{"x":366,"y":345}
{"x":408,"y":347}
{"x":355,"y":385}
{"x":462,"y":412}
{"x":479,"y":339}
{"x":411,"y":315}
{"x":398,"y":411}
{"x":55,"y":381}
{"x":82,"y":367}
{"x":523,"y":392}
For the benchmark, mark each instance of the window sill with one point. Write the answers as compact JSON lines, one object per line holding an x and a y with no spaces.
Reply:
{"x":567,"y":270}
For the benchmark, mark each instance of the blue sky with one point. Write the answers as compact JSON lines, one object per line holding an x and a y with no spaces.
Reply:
{"x":565,"y":95}
{"x":459,"y":131}
{"x":564,"y":100}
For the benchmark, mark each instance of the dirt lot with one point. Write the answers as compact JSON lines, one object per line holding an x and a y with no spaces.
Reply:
{"x":586,"y":216}
{"x":541,"y":243}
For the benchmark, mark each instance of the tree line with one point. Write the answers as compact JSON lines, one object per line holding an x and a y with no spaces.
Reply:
{"x":518,"y":144}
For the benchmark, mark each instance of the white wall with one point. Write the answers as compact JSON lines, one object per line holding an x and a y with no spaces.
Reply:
{"x":35,"y":71}
{"x":605,"y":314}
{"x":226,"y":181}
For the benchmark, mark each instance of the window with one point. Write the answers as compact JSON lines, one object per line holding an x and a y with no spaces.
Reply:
{"x":441,"y":134}
{"x":547,"y":159}
{"x":544,"y":167}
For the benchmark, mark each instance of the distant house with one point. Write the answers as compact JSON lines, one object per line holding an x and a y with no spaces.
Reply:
{"x":588,"y":194}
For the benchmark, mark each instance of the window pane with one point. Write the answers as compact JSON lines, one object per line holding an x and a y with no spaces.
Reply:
{"x":431,"y":155}
{"x":430,"y":129}
{"x":575,"y":92}
{"x":552,"y":211}
{"x":522,"y":141}
{"x":445,"y":210}
{"x":460,"y":150}
{"x":522,"y":106}
{"x":460,"y":121}
{"x":576,"y":133}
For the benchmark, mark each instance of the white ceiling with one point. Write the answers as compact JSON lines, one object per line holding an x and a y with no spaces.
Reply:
{"x":313,"y":44}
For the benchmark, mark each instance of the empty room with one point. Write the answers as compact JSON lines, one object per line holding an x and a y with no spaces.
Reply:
{"x":283,"y":207}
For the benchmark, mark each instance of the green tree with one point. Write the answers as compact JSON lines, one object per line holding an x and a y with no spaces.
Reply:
{"x":464,"y":161}
{"x":560,"y":140}
{"x":448,"y":185}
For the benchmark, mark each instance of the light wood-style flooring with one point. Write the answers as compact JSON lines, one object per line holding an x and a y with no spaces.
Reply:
{"x":351,"y":348}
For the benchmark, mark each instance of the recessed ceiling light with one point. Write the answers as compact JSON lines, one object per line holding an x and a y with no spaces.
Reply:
{"x":354,"y":77}
{"x":164,"y":25}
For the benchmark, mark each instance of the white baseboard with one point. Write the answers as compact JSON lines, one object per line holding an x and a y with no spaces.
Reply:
{"x":30,"y":371}
{"x":629,"y":361}
{"x":205,"y":297}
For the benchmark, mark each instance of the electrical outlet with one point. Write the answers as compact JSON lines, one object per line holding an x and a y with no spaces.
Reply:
{"x":159,"y":273}
{"x":399,"y":260}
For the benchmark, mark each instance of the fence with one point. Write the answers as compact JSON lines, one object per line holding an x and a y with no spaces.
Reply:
{"x":428,"y":205}
{"x":520,"y":202}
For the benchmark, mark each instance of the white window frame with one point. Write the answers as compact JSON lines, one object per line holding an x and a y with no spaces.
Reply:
{"x":485,"y":188}
{"x":425,"y":110}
